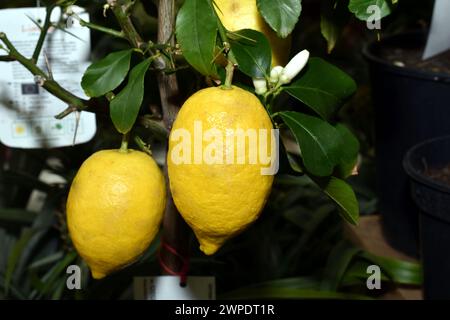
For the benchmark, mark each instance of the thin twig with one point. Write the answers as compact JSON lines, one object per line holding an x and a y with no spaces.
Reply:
{"x":109,"y":31}
{"x":6,"y":58}
{"x":43,"y":34}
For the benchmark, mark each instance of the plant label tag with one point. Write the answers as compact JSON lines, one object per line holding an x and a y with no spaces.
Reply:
{"x":439,"y":35}
{"x":27,"y":110}
{"x":169,"y":288}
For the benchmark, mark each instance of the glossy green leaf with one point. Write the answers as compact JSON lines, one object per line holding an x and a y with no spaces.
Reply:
{"x":124,"y":108}
{"x":317,"y":141}
{"x":348,"y":151}
{"x":107,"y":74}
{"x":281,"y":15}
{"x":322,"y":87}
{"x":361,"y":8}
{"x":343,"y":195}
{"x":196,"y":31}
{"x":334,"y":17}
{"x":252,"y":52}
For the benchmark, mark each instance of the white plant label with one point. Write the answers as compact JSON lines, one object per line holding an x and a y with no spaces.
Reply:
{"x":439,"y":35}
{"x":168,"y":288}
{"x":27,"y":110}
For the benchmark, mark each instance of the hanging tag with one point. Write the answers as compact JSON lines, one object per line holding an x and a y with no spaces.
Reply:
{"x":168,"y":288}
{"x":439,"y":35}
{"x":27,"y":110}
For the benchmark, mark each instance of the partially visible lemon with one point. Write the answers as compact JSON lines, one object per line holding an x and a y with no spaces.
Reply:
{"x":244,"y":14}
{"x":114,"y":209}
{"x":217,"y":197}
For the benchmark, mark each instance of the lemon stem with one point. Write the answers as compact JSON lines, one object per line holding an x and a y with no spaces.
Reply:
{"x":230,"y":56}
{"x":229,"y":75}
{"x":124,"y":145}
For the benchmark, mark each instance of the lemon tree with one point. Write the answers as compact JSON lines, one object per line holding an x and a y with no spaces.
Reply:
{"x":245,"y":77}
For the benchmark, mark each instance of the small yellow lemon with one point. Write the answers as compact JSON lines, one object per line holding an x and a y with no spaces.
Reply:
{"x":114,"y":209}
{"x":215,"y":178}
{"x":244,"y":14}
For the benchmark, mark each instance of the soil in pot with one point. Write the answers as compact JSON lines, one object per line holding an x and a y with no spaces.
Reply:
{"x":411,"y":58}
{"x":441,"y":174}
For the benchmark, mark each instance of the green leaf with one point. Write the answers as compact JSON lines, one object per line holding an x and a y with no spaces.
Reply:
{"x":17,"y":216}
{"x":252,"y":52}
{"x":343,"y":195}
{"x":51,"y":277}
{"x":196,"y":31}
{"x":15,"y":293}
{"x":356,"y":274}
{"x":337,"y":264}
{"x":46,"y":260}
{"x":125,"y":106}
{"x":317,"y":141}
{"x":322,"y":87}
{"x":15,"y":254}
{"x":348,"y":151}
{"x":360,"y":8}
{"x":281,"y":15}
{"x":334,"y":16}
{"x":402,"y":272}
{"x":289,"y":288}
{"x":107,"y":74}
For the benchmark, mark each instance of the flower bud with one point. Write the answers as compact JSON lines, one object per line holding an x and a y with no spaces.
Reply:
{"x":275,"y":74}
{"x":294,"y":66}
{"x":260,"y":85}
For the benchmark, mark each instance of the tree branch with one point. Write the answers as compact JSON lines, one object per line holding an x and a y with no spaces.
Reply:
{"x":43,"y":35}
{"x":6,"y":58}
{"x":168,"y":84}
{"x":93,"y":26}
{"x":176,"y":232}
{"x":74,"y":102}
{"x":120,"y":11}
{"x":47,"y":83}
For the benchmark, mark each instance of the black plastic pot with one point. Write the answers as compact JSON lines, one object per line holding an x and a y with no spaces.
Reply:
{"x":410,"y":106}
{"x":433,"y":199}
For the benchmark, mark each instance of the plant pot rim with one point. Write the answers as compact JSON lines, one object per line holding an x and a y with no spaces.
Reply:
{"x":418,"y":176}
{"x":368,"y":53}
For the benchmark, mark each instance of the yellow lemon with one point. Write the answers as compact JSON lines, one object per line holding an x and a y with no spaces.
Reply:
{"x":244,"y":14}
{"x":215,"y":178}
{"x":114,"y":209}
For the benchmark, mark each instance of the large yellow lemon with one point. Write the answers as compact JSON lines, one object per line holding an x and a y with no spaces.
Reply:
{"x":244,"y":14}
{"x":114,"y":209}
{"x":217,"y":187}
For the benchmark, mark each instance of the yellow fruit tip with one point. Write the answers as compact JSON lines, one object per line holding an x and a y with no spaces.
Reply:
{"x":97,"y":275}
{"x":209,"y":248}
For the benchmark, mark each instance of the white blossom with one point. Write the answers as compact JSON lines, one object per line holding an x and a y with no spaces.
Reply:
{"x":275,"y":74}
{"x":294,"y":67}
{"x":260,"y":85}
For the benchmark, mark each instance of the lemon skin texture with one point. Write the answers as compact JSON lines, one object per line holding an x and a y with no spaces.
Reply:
{"x":243,"y":14}
{"x":219,"y":200}
{"x":114,"y":208}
